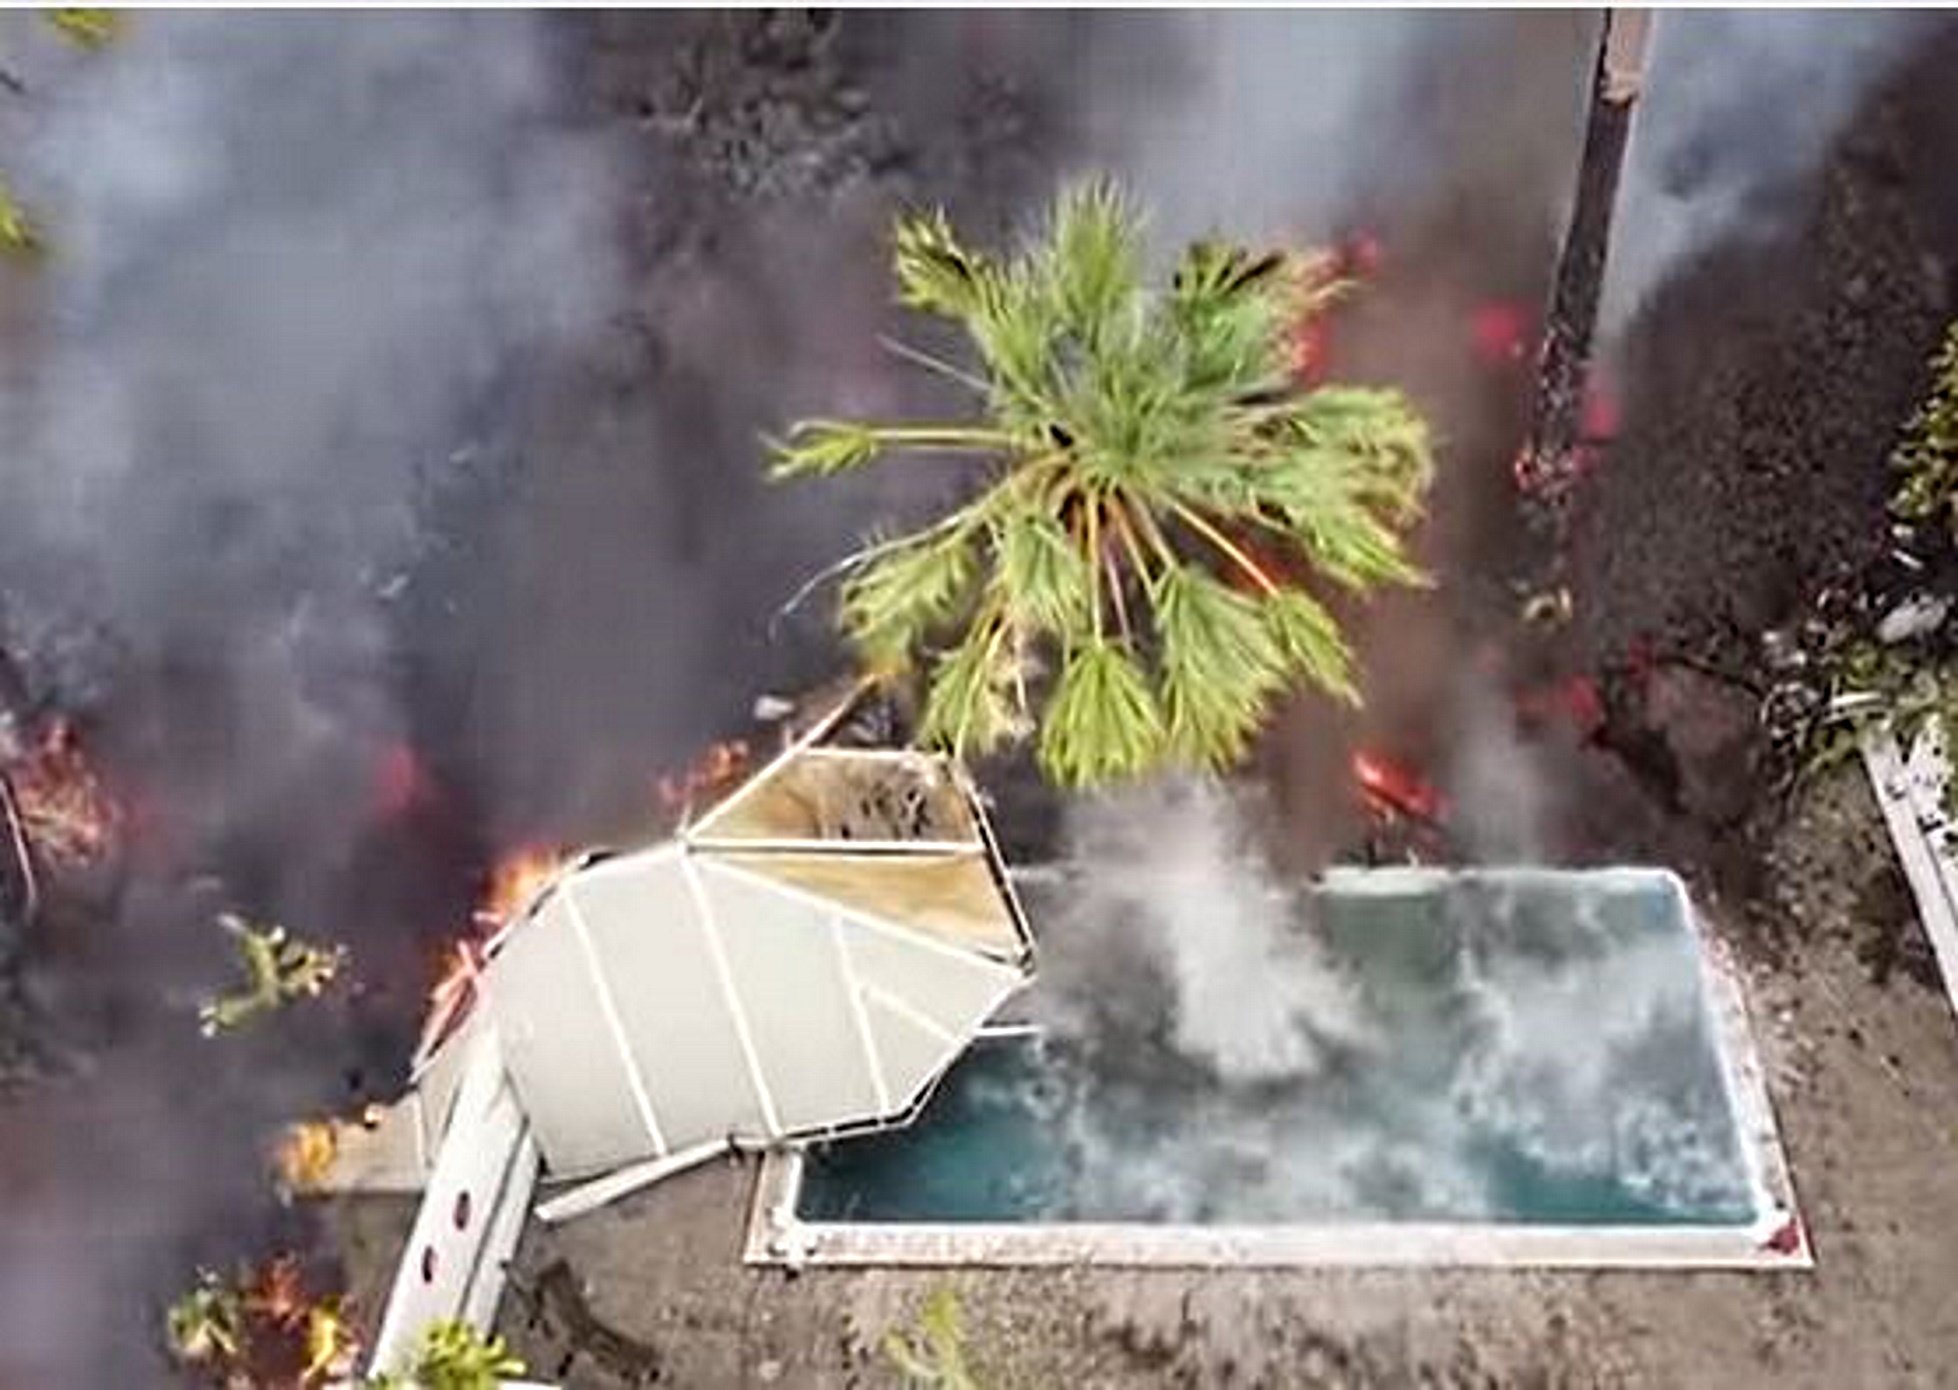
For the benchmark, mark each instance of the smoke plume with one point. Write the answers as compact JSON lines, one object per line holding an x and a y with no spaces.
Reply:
{"x":1738,"y":111}
{"x":296,"y":266}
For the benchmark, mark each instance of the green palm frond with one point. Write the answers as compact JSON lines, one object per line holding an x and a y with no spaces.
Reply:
{"x":1926,"y":459}
{"x":1313,"y":647}
{"x":1220,"y":664}
{"x":1103,"y":723}
{"x":1092,"y":259}
{"x":971,"y":702}
{"x":899,"y":599}
{"x":818,"y":448}
{"x":19,"y":234}
{"x":1042,"y":573}
{"x":933,"y":1356}
{"x":279,"y":969}
{"x":1162,"y":492}
{"x":934,"y":272}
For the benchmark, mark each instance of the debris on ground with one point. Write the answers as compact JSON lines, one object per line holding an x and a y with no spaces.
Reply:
{"x":279,"y":969}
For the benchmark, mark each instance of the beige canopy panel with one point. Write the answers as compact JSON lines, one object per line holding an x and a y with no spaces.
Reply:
{"x":806,"y":960}
{"x":829,"y":795}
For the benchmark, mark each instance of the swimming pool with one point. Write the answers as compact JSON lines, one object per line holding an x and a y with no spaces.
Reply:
{"x":1506,"y":1066}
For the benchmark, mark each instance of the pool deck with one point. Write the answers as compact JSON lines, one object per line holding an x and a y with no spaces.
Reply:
{"x":1865,"y":1083}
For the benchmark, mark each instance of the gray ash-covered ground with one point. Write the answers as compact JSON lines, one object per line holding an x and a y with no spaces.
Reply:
{"x":1763,"y":389}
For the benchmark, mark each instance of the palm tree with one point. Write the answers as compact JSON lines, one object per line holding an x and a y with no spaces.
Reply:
{"x":1158,"y":489}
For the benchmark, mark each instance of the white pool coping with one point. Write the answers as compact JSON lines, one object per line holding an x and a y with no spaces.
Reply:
{"x":1775,"y":1240}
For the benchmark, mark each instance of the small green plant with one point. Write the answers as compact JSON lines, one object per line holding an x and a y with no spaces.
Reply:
{"x":1926,"y":461}
{"x":1159,"y":493}
{"x":86,"y":28}
{"x":206,"y":1326}
{"x":1911,"y":681}
{"x":933,"y":1353}
{"x":19,"y":236}
{"x":279,"y":968}
{"x":455,"y":1356}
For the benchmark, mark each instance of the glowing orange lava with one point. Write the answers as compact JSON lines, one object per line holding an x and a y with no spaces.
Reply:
{"x":66,"y":812}
{"x":1389,"y":786}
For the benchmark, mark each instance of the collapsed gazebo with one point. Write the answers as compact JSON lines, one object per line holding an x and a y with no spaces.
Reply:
{"x":803,"y":962}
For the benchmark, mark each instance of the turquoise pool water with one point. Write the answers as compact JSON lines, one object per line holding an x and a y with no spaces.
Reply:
{"x":1509,"y":1046}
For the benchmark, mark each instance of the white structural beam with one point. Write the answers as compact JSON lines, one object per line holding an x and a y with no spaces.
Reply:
{"x":466,"y":1229}
{"x":625,"y":1181}
{"x":1909,"y":786}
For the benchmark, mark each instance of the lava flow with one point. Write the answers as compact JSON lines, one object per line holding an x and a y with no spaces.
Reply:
{"x":1392,"y":788}
{"x":1501,"y":332}
{"x":66,"y":813}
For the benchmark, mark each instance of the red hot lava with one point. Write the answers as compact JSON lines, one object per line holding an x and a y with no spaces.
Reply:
{"x":1501,"y":331}
{"x":67,"y":813}
{"x":1573,"y":701}
{"x":1392,"y":787}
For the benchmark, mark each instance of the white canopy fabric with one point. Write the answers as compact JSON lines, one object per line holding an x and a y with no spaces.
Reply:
{"x":805,"y":960}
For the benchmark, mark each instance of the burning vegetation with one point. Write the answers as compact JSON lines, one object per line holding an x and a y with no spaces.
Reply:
{"x":262,"y":1328}
{"x":266,"y":1328}
{"x":65,"y":813}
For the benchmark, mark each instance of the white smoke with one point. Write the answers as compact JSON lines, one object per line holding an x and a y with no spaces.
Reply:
{"x":1246,"y":121}
{"x":1223,"y":1049}
{"x":1498,"y":786}
{"x":292,"y":257}
{"x":1170,"y":870}
{"x":1739,"y":110}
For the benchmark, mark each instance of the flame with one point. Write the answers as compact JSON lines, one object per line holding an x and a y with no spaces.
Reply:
{"x":1391,"y":787}
{"x":515,"y":879}
{"x":64,"y":809}
{"x":276,"y":1292}
{"x":1311,"y":349}
{"x":712,"y":775}
{"x":332,"y":1346}
{"x":305,"y":1154}
{"x":1358,"y":256}
{"x":1598,"y":415}
{"x":281,"y":1334}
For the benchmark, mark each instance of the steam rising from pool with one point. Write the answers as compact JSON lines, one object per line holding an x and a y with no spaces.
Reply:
{"x":1508,"y":1045}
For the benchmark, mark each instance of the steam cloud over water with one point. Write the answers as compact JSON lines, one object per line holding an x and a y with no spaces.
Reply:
{"x":1217,"y":1057}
